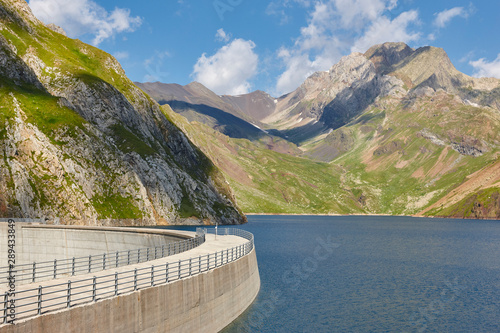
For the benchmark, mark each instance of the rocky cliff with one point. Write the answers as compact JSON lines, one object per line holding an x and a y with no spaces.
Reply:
{"x":82,"y":144}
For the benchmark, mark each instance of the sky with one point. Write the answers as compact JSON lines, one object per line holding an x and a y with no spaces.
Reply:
{"x":238,"y":46}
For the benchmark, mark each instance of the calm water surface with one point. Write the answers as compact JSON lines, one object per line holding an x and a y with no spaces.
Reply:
{"x":374,"y":274}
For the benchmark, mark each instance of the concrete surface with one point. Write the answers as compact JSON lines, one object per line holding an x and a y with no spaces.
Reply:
{"x":205,"y":302}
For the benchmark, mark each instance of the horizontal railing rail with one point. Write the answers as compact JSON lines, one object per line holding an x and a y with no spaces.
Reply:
{"x":47,"y":270}
{"x":42,"y":299}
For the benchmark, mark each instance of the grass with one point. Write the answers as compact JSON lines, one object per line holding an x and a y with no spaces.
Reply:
{"x":129,"y":142}
{"x":487,"y":200}
{"x":187,"y":209}
{"x":396,"y":181}
{"x":116,"y":206}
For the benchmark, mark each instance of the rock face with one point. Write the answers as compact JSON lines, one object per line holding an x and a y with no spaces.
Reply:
{"x":82,"y":144}
{"x":57,"y":29}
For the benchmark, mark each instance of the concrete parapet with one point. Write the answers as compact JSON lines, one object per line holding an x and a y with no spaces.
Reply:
{"x":205,"y":302}
{"x":37,"y":243}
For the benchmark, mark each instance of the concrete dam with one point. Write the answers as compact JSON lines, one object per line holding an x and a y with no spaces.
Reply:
{"x":110,"y":279}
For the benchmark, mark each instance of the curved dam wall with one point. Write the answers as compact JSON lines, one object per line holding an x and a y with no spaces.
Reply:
{"x":37,"y":243}
{"x":206,"y":302}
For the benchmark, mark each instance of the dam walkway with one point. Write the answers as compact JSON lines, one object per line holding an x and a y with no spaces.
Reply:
{"x":35,"y":299}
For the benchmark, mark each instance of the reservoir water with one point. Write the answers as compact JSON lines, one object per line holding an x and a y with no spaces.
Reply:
{"x":374,"y":274}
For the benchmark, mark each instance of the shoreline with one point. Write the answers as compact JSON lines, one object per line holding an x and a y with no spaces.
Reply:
{"x":387,"y":215}
{"x":332,"y":214}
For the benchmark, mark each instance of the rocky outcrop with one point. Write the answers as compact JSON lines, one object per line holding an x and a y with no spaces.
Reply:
{"x":57,"y":29}
{"x":82,"y":144}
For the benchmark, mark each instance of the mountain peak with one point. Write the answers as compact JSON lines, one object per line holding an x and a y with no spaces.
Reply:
{"x":57,"y":29}
{"x":385,"y":56}
{"x":17,"y":10}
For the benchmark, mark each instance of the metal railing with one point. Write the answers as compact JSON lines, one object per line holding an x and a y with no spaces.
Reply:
{"x":43,"y":299}
{"x":47,"y":270}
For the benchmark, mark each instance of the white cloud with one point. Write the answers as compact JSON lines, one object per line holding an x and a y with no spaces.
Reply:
{"x":483,"y":68}
{"x":355,"y":13}
{"x":384,"y":30}
{"x":80,"y":17}
{"x":444,"y":17}
{"x":222,"y":36}
{"x":229,"y":70}
{"x":336,"y":27}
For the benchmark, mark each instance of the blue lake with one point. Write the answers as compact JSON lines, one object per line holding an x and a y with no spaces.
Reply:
{"x":374,"y":274}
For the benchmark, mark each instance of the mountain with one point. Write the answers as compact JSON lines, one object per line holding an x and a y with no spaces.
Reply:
{"x":81,"y":143}
{"x":234,"y":116}
{"x":393,"y":131}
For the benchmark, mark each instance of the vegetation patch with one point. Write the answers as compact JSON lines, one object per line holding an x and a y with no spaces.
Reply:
{"x":482,"y":204}
{"x":187,"y":208}
{"x":115,"y":206}
{"x":129,"y":142}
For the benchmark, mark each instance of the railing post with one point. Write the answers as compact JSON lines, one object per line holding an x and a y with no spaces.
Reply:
{"x":138,"y":255}
{"x":90,"y":264}
{"x":147,"y":254}
{"x":152,"y":275}
{"x":199,"y":265}
{"x":166,"y":272}
{"x":189,"y":266}
{"x":179,"y":270}
{"x":34,"y":272}
{"x":163,"y":251}
{"x":116,"y":261}
{"x":94,"y":289}
{"x":128,"y":257}
{"x":5,"y":307}
{"x":208,"y":261}
{"x":39,"y":301}
{"x":216,"y":259}
{"x":135,"y":279}
{"x":104,"y":262}
{"x":116,"y":283}
{"x":55,"y":268}
{"x":73,"y":266}
{"x":68,"y":297}
{"x":156,"y":257}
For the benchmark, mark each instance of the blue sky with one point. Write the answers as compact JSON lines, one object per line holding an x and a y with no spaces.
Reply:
{"x":237,"y":46}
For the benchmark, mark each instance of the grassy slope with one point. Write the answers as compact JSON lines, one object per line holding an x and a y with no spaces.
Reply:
{"x":71,"y":58}
{"x":67,"y":61}
{"x":265,"y":181}
{"x":392,"y":167}
{"x":397,"y":169}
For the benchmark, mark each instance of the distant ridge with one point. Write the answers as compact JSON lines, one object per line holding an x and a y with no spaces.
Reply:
{"x":393,"y":131}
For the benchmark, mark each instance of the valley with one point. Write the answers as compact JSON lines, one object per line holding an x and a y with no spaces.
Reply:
{"x":393,"y":131}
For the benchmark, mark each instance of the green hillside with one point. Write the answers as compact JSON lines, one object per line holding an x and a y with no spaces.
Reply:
{"x":82,"y":144}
